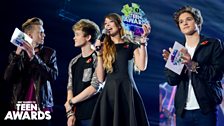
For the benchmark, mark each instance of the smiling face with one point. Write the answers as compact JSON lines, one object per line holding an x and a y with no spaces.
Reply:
{"x":111,"y":27}
{"x":112,"y":24}
{"x":187,"y":24}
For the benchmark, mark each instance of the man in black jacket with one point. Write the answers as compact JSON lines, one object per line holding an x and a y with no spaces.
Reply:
{"x":199,"y":85}
{"x":32,"y":68}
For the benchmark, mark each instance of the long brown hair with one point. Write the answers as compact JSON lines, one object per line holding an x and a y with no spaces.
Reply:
{"x":109,"y":50}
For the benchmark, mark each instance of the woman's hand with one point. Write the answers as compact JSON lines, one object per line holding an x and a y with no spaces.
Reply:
{"x":99,"y":47}
{"x":146,"y":29}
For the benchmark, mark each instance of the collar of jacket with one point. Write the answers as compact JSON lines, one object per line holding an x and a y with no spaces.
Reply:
{"x":202,"y":42}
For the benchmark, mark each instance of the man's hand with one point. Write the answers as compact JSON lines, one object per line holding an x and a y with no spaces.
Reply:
{"x":186,"y":57}
{"x":18,"y":50}
{"x":67,"y":106}
{"x":71,"y":121}
{"x":166,"y":53}
{"x":29,"y":50}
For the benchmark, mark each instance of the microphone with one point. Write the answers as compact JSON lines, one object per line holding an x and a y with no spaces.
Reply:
{"x":101,"y":38}
{"x":103,"y":35}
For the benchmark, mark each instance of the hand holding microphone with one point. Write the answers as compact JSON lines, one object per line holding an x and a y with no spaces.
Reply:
{"x":97,"y":46}
{"x":100,"y":39}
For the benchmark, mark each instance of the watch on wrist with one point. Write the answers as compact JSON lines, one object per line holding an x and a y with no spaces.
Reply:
{"x":143,"y":43}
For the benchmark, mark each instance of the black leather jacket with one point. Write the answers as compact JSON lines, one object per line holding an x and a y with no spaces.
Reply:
{"x":206,"y":83}
{"x":42,"y":69}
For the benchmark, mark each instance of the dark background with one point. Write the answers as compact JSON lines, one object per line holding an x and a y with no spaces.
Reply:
{"x":59,"y":34}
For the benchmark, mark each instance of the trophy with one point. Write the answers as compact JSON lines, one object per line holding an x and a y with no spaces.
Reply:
{"x":132,"y":21}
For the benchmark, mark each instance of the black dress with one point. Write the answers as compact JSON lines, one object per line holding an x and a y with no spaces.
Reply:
{"x":120,"y":104}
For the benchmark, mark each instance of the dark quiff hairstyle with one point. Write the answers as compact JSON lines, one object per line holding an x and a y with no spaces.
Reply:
{"x":28,"y":25}
{"x":193,"y":11}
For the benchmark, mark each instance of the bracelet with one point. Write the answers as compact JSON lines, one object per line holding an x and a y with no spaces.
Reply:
{"x":69,"y":113}
{"x":193,"y":67}
{"x":144,"y":44}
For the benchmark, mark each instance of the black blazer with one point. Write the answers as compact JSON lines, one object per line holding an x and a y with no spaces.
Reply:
{"x":206,"y":83}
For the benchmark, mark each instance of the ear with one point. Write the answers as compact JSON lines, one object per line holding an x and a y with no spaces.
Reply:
{"x":29,"y":34}
{"x":88,"y":37}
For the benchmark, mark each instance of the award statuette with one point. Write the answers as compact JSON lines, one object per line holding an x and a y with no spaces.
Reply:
{"x":132,"y":21}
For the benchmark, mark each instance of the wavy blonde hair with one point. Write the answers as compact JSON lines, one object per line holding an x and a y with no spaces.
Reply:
{"x":88,"y":27}
{"x":109,"y":49}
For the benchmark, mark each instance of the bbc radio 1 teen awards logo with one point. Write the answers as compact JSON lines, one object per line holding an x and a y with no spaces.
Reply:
{"x":27,"y":110}
{"x":132,"y":20}
{"x":176,"y":57}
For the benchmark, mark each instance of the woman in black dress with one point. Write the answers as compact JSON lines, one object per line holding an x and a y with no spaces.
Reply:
{"x":120,"y":103}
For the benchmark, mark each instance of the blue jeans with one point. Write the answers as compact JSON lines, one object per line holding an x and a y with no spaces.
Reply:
{"x":197,"y":118}
{"x":83,"y":122}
